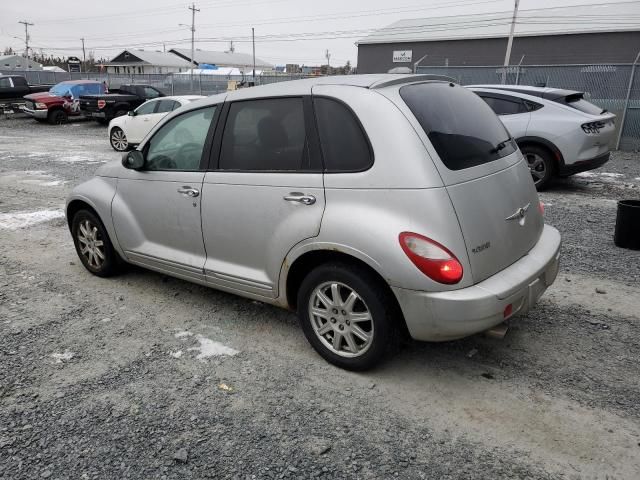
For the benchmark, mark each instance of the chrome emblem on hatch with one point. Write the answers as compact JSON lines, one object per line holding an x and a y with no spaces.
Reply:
{"x":520,"y":214}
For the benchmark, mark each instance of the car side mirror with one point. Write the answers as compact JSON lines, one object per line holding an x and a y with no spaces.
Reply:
{"x":133,"y":160}
{"x":132,"y":113}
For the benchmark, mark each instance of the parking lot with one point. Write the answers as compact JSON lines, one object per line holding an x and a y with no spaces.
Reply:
{"x":146,"y":376}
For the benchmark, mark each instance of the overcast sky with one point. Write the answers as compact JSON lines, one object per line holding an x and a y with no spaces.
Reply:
{"x":110,"y":26}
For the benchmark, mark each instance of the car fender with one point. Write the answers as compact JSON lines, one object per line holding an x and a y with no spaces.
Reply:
{"x":98,"y":193}
{"x":543,"y":141}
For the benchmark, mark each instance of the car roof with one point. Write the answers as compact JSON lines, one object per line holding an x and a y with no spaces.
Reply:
{"x":541,"y":92}
{"x":73,"y":82}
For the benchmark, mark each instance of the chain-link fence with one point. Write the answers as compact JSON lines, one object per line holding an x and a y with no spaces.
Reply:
{"x":614,"y":87}
{"x":170,"y":84}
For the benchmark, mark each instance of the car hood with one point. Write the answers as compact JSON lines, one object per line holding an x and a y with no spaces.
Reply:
{"x":110,"y":169}
{"x":43,"y":97}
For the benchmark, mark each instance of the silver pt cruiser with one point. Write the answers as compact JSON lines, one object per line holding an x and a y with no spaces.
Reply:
{"x":372,"y":205}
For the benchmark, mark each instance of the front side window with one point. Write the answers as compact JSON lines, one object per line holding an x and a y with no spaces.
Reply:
{"x":178,"y":144}
{"x":344,"y":145}
{"x":150,"y":92}
{"x":502,"y":106}
{"x":265,"y":135}
{"x":146,"y":108}
{"x":461,"y":126}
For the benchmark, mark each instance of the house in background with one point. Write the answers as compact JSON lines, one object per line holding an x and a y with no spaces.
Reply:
{"x":54,"y":68}
{"x":242,"y":61}
{"x":17,"y":62}
{"x":145,"y":62}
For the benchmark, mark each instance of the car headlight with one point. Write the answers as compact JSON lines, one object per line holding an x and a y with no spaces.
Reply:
{"x":41,"y":106}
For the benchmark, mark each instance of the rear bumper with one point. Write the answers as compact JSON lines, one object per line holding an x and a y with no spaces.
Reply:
{"x":455,"y":314}
{"x":94,"y":114}
{"x":584,"y":165}
{"x":36,"y":113}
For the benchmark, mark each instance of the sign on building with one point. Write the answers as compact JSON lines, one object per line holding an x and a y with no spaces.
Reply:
{"x":402,"y":56}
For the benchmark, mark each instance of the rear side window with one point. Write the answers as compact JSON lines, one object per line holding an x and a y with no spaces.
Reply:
{"x":166,"y":106}
{"x":576,"y":101}
{"x":461,"y":126}
{"x":344,"y":145}
{"x":151,"y":92}
{"x":265,"y":135}
{"x":5,"y":83}
{"x":503,"y":106}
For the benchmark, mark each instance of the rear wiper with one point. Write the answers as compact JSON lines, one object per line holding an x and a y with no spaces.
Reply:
{"x":500,"y":146}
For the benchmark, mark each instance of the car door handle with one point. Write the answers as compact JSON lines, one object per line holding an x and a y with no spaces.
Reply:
{"x":189,"y":191}
{"x":300,"y":198}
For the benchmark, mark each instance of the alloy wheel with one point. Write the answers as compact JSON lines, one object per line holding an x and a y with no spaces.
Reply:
{"x":537,"y":167}
{"x":341,"y":319}
{"x":119,"y":140}
{"x":91,"y":244}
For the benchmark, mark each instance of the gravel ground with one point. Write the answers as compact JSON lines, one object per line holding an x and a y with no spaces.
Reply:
{"x":118,"y":378}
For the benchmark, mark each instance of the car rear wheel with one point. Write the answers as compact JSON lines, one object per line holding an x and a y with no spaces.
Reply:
{"x":120,"y":113}
{"x":541,"y":165}
{"x":118,"y":140}
{"x":93,"y":245}
{"x":57,"y":117}
{"x":347,"y":315}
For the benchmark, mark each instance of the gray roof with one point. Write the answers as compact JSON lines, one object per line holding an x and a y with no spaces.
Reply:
{"x":160,"y":59}
{"x":222,"y":59}
{"x":531,"y":22}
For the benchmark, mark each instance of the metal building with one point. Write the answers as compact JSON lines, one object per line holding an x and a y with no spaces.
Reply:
{"x":543,"y":36}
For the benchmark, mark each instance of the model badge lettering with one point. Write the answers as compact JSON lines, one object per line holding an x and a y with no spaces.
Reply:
{"x":481,"y":248}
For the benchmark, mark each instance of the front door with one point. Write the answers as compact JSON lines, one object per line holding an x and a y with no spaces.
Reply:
{"x":265,"y":196}
{"x":141,"y":123}
{"x":156,"y":210}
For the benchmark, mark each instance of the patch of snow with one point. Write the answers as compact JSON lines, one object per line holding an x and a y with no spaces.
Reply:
{"x":17,"y":220}
{"x":60,"y":357}
{"x":184,"y":333}
{"x":637,"y":178}
{"x":611,"y":175}
{"x":177,"y":354}
{"x":585,"y":174}
{"x":209,"y":348}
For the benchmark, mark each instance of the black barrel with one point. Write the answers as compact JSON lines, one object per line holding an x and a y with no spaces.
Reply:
{"x":628,"y":225}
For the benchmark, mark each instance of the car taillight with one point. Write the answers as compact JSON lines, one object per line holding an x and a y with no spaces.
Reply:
{"x":541,"y":208}
{"x":592,"y":127}
{"x":431,"y":258}
{"x":101,"y":104}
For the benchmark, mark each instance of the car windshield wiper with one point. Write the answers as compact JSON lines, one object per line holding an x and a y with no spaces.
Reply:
{"x":500,"y":146}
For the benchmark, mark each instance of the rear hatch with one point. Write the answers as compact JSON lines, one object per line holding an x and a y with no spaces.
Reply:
{"x":487,"y":179}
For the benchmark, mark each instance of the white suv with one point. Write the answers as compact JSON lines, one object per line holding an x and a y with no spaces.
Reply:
{"x":558,"y":131}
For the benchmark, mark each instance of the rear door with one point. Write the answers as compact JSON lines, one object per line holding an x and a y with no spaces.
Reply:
{"x":264,"y":194}
{"x":512,"y":111}
{"x":485,"y":175}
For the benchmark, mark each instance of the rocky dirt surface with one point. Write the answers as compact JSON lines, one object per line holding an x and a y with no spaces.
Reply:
{"x":145,"y":376}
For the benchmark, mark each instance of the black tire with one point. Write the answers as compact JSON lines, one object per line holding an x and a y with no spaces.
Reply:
{"x":102,"y":121}
{"x":375,"y":297}
{"x":57,"y":117}
{"x":118,"y":140}
{"x":541,"y":163}
{"x":112,"y":263}
{"x":120,"y":113}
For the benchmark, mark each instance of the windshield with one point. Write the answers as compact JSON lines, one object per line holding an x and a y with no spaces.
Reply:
{"x":461,"y":126}
{"x":77,"y":89}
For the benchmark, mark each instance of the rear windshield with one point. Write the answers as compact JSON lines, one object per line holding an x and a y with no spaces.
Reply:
{"x":461,"y":126}
{"x":576,"y":101}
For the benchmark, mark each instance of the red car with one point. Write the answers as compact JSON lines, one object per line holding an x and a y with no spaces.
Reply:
{"x":61,"y":101}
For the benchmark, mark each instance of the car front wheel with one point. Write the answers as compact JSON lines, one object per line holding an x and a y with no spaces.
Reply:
{"x":118,"y":140}
{"x":57,"y":117}
{"x":347,"y":315}
{"x":93,"y":244}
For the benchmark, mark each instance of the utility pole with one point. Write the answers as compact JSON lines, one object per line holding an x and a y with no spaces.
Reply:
{"x":507,"y":55}
{"x":253,"y":42}
{"x":26,"y":38}
{"x":84,"y":56}
{"x":193,"y":31}
{"x":327,"y":55}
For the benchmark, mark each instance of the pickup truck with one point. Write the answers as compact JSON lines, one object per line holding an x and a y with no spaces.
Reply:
{"x":13,"y":88}
{"x":61,"y":101}
{"x":116,"y":103}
